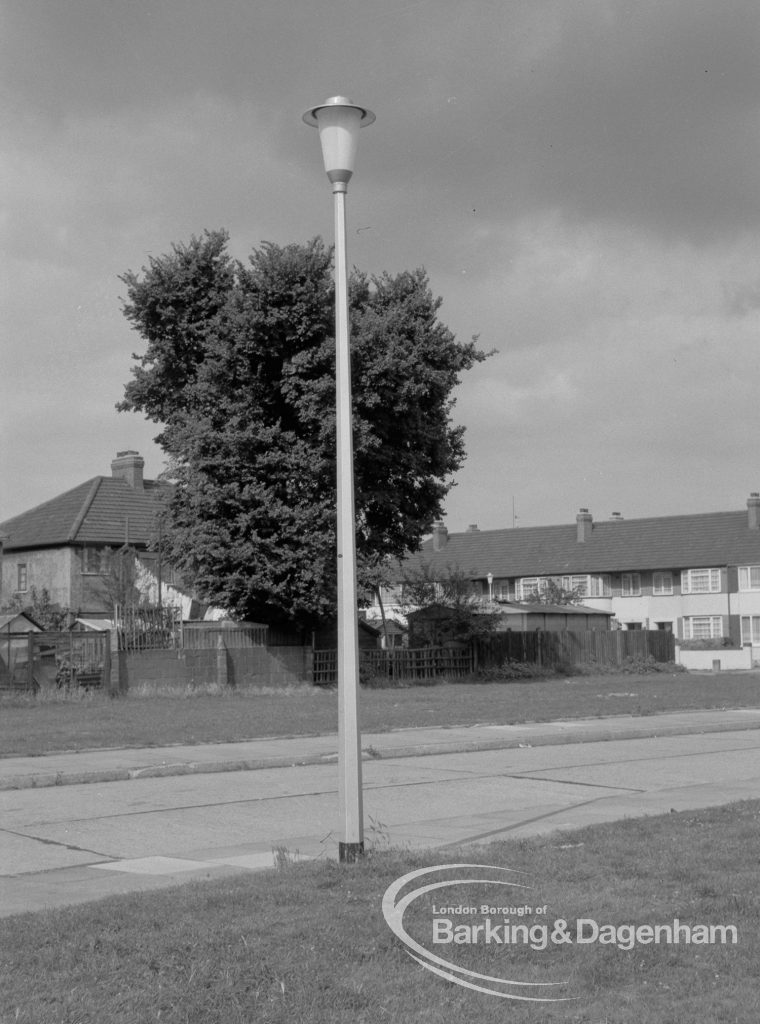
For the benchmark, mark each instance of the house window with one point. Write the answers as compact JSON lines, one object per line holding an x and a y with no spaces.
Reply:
{"x":21,"y":577}
{"x":751,"y":629}
{"x":749,"y":577}
{"x":580,"y":584}
{"x":700,"y":581}
{"x":599,"y":586}
{"x":662,"y":584}
{"x":584,"y":585}
{"x":631,"y":584}
{"x":702,"y":627}
{"x":528,"y":587}
{"x":96,"y":561}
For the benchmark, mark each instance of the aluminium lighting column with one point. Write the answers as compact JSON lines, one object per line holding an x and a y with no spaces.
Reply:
{"x":339,"y":121}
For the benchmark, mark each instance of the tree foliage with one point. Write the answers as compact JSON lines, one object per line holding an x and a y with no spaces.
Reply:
{"x":239,"y":371}
{"x":119,"y":580}
{"x":42,"y":610}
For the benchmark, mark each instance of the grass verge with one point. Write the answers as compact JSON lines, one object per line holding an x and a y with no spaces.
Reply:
{"x":30,"y":726}
{"x":308,"y":942}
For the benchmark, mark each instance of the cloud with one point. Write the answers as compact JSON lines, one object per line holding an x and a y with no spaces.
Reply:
{"x":619,"y":379}
{"x":626,"y":113}
{"x":580,"y":180}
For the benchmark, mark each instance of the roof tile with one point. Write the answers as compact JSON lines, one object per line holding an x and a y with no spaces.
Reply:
{"x":103,"y":510}
{"x":664,"y":542}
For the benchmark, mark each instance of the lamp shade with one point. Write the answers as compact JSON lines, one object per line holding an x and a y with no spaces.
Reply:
{"x":338,"y":121}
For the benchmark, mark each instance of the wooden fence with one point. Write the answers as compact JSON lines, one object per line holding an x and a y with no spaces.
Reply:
{"x":565,"y":647}
{"x":29,"y":661}
{"x":544,"y":648}
{"x":399,"y":664}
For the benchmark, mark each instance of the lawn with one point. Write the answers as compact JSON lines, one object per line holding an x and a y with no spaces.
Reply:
{"x":308,"y":942}
{"x":29,"y":726}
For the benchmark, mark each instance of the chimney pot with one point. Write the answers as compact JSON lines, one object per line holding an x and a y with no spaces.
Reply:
{"x":440,"y":536}
{"x":585,"y":524}
{"x":753,"y":510}
{"x":128,"y":465}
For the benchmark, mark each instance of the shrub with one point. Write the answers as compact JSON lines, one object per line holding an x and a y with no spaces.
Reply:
{"x":510,"y":669}
{"x":716,"y":644}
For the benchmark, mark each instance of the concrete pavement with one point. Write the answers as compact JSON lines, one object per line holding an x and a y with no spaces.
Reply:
{"x":430,"y":787}
{"x":107,"y":765}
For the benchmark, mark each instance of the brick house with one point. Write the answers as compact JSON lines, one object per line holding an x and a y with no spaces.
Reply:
{"x":67,"y":545}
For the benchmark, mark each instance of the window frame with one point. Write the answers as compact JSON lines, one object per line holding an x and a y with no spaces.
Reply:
{"x":713,"y":580}
{"x":634,"y":585}
{"x":748,"y":571}
{"x":665,"y":586}
{"x":753,"y":622}
{"x":534,"y":591}
{"x":688,"y":627}
{"x":600,"y":585}
{"x":22,"y":571}
{"x":92,"y":555}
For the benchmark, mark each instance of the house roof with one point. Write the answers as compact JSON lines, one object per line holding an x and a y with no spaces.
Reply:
{"x":665,"y":542}
{"x":513,"y":608}
{"x":18,"y":622}
{"x":103,"y":510}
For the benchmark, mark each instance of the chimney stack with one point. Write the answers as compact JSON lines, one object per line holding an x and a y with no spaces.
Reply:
{"x":585,"y":522}
{"x":128,"y":466}
{"x":440,"y":536}
{"x":753,"y":510}
{"x":473,"y":528}
{"x":616,"y":517}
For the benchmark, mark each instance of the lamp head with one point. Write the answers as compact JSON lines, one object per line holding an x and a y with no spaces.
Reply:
{"x":338,"y":121}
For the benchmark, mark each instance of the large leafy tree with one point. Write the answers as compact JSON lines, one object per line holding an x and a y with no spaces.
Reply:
{"x":239,"y":371}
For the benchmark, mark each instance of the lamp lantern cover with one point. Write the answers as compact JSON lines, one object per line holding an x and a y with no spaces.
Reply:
{"x":338,"y":121}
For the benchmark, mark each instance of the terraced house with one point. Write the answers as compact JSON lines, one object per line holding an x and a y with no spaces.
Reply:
{"x":697,"y":576}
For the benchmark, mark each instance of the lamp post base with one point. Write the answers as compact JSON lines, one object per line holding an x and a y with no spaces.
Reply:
{"x":349,"y":853}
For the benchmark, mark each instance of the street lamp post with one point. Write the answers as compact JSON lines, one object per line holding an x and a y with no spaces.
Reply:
{"x":339,"y":121}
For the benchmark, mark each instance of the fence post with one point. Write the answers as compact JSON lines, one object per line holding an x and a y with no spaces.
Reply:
{"x":221,"y":661}
{"x":114,"y":676}
{"x":105,"y":676}
{"x":30,"y":664}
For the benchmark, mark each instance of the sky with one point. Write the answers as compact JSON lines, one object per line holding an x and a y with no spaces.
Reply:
{"x":581,"y":181}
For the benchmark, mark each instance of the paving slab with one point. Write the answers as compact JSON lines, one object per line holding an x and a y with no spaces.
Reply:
{"x":78,"y":843}
{"x":118,"y":765}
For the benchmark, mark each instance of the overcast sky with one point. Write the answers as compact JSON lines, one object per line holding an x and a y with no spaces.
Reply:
{"x":579,"y":177}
